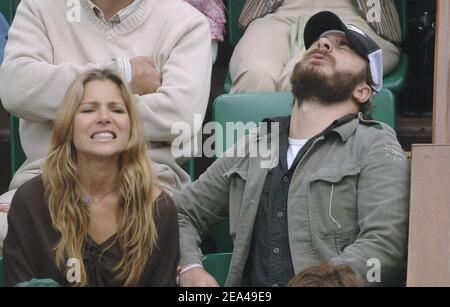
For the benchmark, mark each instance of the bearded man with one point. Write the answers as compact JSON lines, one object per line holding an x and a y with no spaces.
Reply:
{"x":338,"y":189}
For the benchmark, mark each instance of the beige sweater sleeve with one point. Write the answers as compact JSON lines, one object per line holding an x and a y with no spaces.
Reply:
{"x":31,"y":87}
{"x":186,"y":80}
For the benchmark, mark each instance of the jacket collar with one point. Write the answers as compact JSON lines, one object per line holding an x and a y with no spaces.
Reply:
{"x":345,"y":126}
{"x":347,"y":129}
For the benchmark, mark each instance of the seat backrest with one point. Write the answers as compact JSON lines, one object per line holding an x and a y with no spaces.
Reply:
{"x":234,"y":8}
{"x":384,"y":108}
{"x":2,"y":273}
{"x":221,"y":235}
{"x":218,"y":265}
{"x":402,"y":10}
{"x":17,"y":154}
{"x":249,"y":108}
{"x":7,"y":8}
{"x":4,"y":27}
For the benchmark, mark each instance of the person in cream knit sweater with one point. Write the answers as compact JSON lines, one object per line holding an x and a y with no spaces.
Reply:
{"x":161,"y":48}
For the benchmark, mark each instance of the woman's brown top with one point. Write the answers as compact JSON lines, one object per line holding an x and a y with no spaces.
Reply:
{"x":29,"y":246}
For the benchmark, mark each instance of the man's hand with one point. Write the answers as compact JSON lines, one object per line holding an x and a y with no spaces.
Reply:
{"x":4,"y":208}
{"x":197,"y":277}
{"x":146,"y":79}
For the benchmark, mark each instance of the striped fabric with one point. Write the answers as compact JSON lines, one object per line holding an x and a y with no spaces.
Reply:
{"x":255,"y":9}
{"x":119,"y":16}
{"x":382,"y":16}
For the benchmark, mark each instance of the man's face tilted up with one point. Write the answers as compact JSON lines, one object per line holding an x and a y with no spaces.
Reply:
{"x":329,"y":71}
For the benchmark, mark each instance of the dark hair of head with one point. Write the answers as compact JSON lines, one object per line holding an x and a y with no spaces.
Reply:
{"x":366,"y":108}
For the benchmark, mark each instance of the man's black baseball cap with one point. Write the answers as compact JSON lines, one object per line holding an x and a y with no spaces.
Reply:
{"x":327,"y":22}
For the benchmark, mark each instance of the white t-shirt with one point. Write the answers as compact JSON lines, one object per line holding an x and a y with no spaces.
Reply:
{"x":294,"y":147}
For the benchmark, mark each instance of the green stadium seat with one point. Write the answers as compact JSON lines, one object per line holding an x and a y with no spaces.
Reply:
{"x":4,"y":27}
{"x":189,"y":168}
{"x":17,"y":154}
{"x":234,"y":8}
{"x":7,"y":8}
{"x":38,"y":282}
{"x":2,"y":273}
{"x":384,"y":108}
{"x":222,"y":239}
{"x":253,"y":107}
{"x":247,"y":108}
{"x":394,"y":81}
{"x":217,"y":265}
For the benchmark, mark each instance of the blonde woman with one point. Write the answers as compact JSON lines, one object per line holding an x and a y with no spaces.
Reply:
{"x":95,"y":217}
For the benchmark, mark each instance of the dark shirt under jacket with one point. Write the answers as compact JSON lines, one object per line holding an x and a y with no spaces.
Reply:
{"x":28,"y":249}
{"x":270,"y":262}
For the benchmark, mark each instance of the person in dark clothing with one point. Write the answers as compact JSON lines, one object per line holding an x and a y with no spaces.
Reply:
{"x":96,"y":216}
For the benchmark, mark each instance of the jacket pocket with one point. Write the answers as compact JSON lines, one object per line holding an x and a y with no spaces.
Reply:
{"x":334,"y":245}
{"x":344,"y":240}
{"x":332,"y":201}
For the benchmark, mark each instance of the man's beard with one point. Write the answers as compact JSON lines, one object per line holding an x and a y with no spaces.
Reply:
{"x":308,"y":83}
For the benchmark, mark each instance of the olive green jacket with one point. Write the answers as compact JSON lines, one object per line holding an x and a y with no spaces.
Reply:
{"x":348,"y":202}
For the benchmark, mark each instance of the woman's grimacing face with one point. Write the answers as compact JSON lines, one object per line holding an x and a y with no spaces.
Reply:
{"x":102,"y":124}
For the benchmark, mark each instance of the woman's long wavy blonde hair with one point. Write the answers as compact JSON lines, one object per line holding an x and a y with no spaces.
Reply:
{"x":136,"y":228}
